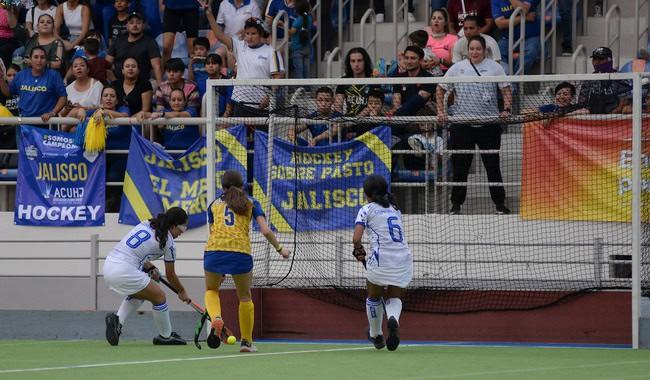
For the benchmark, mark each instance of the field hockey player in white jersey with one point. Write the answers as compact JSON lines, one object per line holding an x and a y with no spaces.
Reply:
{"x":389,"y":264}
{"x":128,"y":271}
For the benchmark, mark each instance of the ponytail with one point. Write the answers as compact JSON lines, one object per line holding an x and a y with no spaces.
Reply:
{"x":236,"y":199}
{"x":161,"y":224}
{"x":376,"y":189}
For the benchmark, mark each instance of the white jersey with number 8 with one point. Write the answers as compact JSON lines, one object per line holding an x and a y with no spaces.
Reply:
{"x":140,"y":245}
{"x":389,"y":260}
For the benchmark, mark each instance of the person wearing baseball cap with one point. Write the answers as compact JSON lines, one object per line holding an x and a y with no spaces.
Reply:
{"x":601,"y":59}
{"x":603,"y":96}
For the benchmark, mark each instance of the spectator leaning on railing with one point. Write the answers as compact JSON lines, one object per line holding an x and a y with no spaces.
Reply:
{"x":133,"y":90}
{"x":41,"y":89}
{"x":474,"y":100}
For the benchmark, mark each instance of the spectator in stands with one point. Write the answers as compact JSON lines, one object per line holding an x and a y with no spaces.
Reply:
{"x":137,"y":45}
{"x":174,"y":68}
{"x":300,"y":44}
{"x":471,"y":28}
{"x":255,"y":60}
{"x":76,"y":17}
{"x":409,"y":99}
{"x":11,"y":102}
{"x":177,"y":136}
{"x":274,"y":7}
{"x":321,"y":134}
{"x":46,"y":39}
{"x":100,"y":69}
{"x":641,"y":64}
{"x":41,"y":89}
{"x":380,"y":11}
{"x":475,"y":100}
{"x":34,"y":13}
{"x":8,"y":132}
{"x":375,"y":108}
{"x":133,"y":90}
{"x":85,"y":92}
{"x":350,"y":100}
{"x":213,"y":65}
{"x":441,"y":42}
{"x":231,"y":18}
{"x":459,"y":9}
{"x":196,"y":70}
{"x":430,"y":62}
{"x":565,"y":25}
{"x":8,"y":43}
{"x":116,"y":27}
{"x":562,"y":105}
{"x":179,"y":15}
{"x":604,"y":96}
{"x":501,"y":11}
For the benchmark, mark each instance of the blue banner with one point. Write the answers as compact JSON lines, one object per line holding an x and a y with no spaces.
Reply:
{"x":318,"y":188}
{"x":58,"y":183}
{"x":156,"y":181}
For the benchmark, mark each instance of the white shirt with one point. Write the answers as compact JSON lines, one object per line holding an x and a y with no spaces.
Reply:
{"x":475,"y":99}
{"x":384,"y":230}
{"x":254,"y":63}
{"x":38,"y":12}
{"x":461,"y":49}
{"x":89,"y":98}
{"x":140,"y":245}
{"x":234,"y":18}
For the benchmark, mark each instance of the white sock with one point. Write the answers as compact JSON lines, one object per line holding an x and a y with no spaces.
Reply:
{"x":393,"y":308}
{"x":161,"y":318}
{"x":375,"y":314}
{"x":128,"y":306}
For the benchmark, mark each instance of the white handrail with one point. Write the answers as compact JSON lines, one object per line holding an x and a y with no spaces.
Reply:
{"x":396,"y":9}
{"x":330,"y":59}
{"x":370,"y":13}
{"x":317,"y":14}
{"x":574,"y":58}
{"x":543,"y":36}
{"x":574,"y":21}
{"x":638,"y":4}
{"x":284,"y":45}
{"x":521,"y":41}
{"x":614,"y":10}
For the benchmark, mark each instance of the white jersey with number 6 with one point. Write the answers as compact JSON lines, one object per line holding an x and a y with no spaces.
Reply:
{"x":140,"y":245}
{"x":389,"y":260}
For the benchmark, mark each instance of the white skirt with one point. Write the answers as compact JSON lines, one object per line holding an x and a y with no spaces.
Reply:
{"x":400,"y":275}
{"x":123,"y":278}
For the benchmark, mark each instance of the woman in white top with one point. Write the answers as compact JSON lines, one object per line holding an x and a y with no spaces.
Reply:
{"x":389,"y":264}
{"x":76,"y":17}
{"x":42,"y":7}
{"x":255,"y":60}
{"x":85,"y":92}
{"x":127,"y":265}
{"x":475,"y":100}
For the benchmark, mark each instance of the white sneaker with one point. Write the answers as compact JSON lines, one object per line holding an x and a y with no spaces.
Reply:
{"x":379,"y":18}
{"x":411,"y":17}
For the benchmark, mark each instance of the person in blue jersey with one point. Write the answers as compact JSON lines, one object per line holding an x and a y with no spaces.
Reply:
{"x":177,"y":136}
{"x":389,"y":264}
{"x":320,"y":133}
{"x":300,"y":42}
{"x":41,"y":90}
{"x":274,"y":7}
{"x":196,"y":68}
{"x":228,"y":251}
{"x":213,"y":64}
{"x":128,"y":271}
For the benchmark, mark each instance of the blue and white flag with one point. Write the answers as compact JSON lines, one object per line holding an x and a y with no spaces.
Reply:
{"x":318,"y":188}
{"x":58,"y":183}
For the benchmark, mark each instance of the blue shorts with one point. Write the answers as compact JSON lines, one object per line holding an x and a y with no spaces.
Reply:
{"x":226,"y":262}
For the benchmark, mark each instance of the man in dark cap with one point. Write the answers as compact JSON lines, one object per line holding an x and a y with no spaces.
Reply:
{"x":138,"y":45}
{"x":603,"y":96}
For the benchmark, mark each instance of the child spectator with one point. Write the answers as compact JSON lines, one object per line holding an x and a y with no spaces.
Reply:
{"x":213,"y":65}
{"x":300,"y":44}
{"x":174,"y":68}
{"x":40,"y":8}
{"x":375,"y":108}
{"x":100,"y":69}
{"x":430,"y":62}
{"x":231,"y":17}
{"x":117,"y":26}
{"x":322,"y":134}
{"x":197,"y":63}
{"x":177,"y":136}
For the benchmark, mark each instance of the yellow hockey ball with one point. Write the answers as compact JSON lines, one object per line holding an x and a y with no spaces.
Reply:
{"x":231,"y":340}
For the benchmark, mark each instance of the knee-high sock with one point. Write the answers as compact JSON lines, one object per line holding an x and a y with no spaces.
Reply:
{"x":161,"y":318}
{"x":394,"y":308}
{"x":375,"y":314}
{"x":128,"y":306}
{"x":213,"y":303}
{"x":246,"y":319}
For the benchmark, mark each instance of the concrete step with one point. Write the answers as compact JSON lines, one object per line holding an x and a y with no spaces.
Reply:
{"x":565,"y":65}
{"x":596,"y":25}
{"x":626,"y":6}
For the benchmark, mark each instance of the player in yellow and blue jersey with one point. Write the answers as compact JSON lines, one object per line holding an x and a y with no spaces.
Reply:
{"x":228,"y":251}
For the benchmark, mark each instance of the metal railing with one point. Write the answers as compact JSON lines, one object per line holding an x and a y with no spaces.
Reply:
{"x":581,"y":50}
{"x":520,"y":43}
{"x":316,"y":40}
{"x":403,"y":8}
{"x":337,"y":52}
{"x":283,"y":45}
{"x":370,"y":14}
{"x":544,"y":36}
{"x":638,"y":4}
{"x":614,"y":11}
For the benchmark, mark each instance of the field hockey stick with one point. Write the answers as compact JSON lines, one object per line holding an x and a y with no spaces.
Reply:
{"x":225,"y":333}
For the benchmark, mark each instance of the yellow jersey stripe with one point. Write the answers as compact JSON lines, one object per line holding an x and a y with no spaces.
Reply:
{"x":233,"y":145}
{"x":135,"y":199}
{"x":276,"y":218}
{"x":374,"y":143}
